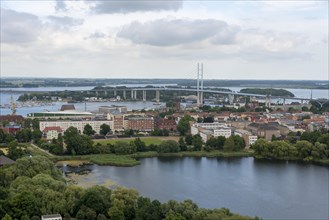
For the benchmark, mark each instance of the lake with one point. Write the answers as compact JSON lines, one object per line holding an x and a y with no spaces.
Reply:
{"x":271,"y":190}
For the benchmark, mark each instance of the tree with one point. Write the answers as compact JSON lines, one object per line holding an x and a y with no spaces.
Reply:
{"x":188,"y":139}
{"x":2,"y":136}
{"x":182,"y":144}
{"x":14,"y":151}
{"x":140,"y":145}
{"x":229,"y":144}
{"x":96,"y":198}
{"x":9,"y":138}
{"x":208,"y":119}
{"x":238,"y":142}
{"x":104,"y":129}
{"x":126,"y":201}
{"x":183,"y":125}
{"x":310,"y":136}
{"x":36,"y":135}
{"x":212,"y":142}
{"x":121,"y":147}
{"x":197,"y":142}
{"x":76,"y":143}
{"x":24,"y":135}
{"x":169,"y":146}
{"x":7,"y":217}
{"x":88,"y":130}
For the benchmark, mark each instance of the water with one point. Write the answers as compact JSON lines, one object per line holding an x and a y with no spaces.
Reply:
{"x":5,"y":99}
{"x":55,"y":106}
{"x":272,"y":190}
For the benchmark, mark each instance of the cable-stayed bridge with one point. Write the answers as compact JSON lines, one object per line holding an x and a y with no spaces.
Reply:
{"x":199,"y":90}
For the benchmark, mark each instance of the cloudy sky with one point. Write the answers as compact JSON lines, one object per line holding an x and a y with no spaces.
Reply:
{"x":165,"y":39}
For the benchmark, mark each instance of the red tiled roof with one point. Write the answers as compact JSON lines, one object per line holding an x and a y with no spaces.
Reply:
{"x":53,"y":128}
{"x":11,"y":118}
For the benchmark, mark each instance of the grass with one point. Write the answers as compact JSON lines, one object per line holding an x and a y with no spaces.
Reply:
{"x":146,"y":140}
{"x":35,"y":151}
{"x":102,"y":159}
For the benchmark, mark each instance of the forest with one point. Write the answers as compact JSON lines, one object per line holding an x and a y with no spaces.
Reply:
{"x":33,"y":186}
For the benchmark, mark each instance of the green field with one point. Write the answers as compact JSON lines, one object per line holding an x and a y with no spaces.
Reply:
{"x":146,"y":140}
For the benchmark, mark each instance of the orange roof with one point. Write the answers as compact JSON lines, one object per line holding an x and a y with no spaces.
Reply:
{"x":53,"y":128}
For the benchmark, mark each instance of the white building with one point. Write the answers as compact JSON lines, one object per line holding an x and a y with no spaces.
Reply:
{"x":51,"y":217}
{"x":51,"y":132}
{"x":224,"y":131}
{"x":206,"y":130}
{"x":205,"y":134}
{"x":248,"y":137}
{"x":64,"y":125}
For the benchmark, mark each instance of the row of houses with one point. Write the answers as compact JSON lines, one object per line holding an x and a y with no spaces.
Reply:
{"x":117,"y":123}
{"x":216,"y":129}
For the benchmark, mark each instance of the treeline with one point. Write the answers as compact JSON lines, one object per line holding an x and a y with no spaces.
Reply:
{"x":34,"y":186}
{"x":302,"y":150}
{"x":268,"y":91}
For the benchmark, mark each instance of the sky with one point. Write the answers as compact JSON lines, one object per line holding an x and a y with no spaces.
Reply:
{"x":165,"y":39}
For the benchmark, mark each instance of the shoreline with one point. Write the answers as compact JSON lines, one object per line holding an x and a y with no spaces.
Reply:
{"x":131,"y":160}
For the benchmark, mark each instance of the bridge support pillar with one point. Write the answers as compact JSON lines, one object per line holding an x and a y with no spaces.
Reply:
{"x":284,"y":104}
{"x":231,"y":99}
{"x":135,"y":94}
{"x":268,"y":101}
{"x":115,"y":93}
{"x":96,"y":93}
{"x":157,"y":96}
{"x":132,"y":94}
{"x":124,"y":94}
{"x":144,"y":95}
{"x":105,"y":93}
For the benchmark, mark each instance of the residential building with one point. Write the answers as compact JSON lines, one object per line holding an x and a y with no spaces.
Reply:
{"x":164,"y":123}
{"x":248,"y":137}
{"x":65,"y":124}
{"x":223,"y":131}
{"x":206,"y":130}
{"x":140,"y":123}
{"x":117,"y":119}
{"x":11,"y":128}
{"x":12,"y":118}
{"x":52,"y":132}
{"x":51,"y":217}
{"x":264,"y":130}
{"x":205,"y":134}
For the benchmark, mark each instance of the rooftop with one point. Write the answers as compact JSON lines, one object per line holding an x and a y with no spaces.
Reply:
{"x":5,"y":160}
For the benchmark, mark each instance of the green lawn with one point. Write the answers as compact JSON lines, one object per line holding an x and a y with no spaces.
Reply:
{"x":147,"y":140}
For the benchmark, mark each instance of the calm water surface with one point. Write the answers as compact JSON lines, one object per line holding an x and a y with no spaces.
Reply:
{"x":271,"y":190}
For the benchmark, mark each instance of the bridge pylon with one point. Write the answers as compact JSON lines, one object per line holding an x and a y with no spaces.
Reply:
{"x":199,"y":86}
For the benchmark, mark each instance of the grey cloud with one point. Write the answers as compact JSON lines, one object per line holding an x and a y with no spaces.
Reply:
{"x":175,"y":32}
{"x":97,"y":34}
{"x":65,"y":21}
{"x":60,"y":5}
{"x":126,"y":6}
{"x":18,"y":27}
